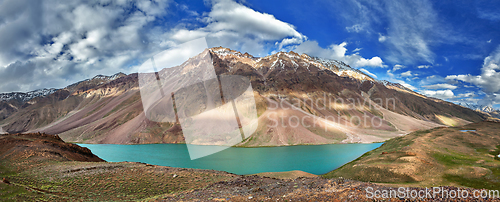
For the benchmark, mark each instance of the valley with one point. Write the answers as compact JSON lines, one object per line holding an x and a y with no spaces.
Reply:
{"x":317,"y":102}
{"x":43,"y":168}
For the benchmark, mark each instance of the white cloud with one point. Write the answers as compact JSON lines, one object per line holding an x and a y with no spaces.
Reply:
{"x":467,"y":95}
{"x":441,"y":86}
{"x":355,"y":28}
{"x":338,"y":52}
{"x":406,"y":74}
{"x":490,"y":99}
{"x":398,"y":67}
{"x":411,"y":28}
{"x":441,"y":94}
{"x":367,"y":72}
{"x":64,"y":42}
{"x":424,"y":66}
{"x":53,"y":44}
{"x":381,"y":38}
{"x":489,"y":80}
{"x":236,"y":26}
{"x":389,"y":73}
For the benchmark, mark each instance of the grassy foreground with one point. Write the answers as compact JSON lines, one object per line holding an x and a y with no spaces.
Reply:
{"x":39,"y":167}
{"x":437,"y":157}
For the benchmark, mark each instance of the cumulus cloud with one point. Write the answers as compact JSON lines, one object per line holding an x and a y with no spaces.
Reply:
{"x":441,"y":94}
{"x":490,"y":99}
{"x":19,"y":20}
{"x":381,"y":38}
{"x":441,"y":86}
{"x":398,"y":67}
{"x":52,"y":43}
{"x":406,"y":74}
{"x":489,"y":80}
{"x":467,"y":95}
{"x":236,"y":26}
{"x":338,"y":52}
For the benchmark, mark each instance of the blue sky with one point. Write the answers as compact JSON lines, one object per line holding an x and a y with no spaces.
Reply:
{"x":444,"y":49}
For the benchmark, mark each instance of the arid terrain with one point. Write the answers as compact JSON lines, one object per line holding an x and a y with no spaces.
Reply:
{"x":457,"y":156}
{"x":40,"y":167}
{"x":334,"y":103}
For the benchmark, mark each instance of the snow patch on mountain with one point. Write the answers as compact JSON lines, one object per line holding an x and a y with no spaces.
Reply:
{"x":478,"y":107}
{"x":24,"y":97}
{"x":281,"y":60}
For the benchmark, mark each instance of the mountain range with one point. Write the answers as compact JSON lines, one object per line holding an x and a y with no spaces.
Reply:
{"x":481,"y":108}
{"x":108,"y":109}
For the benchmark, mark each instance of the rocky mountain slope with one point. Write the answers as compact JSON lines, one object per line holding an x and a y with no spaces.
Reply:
{"x":334,"y":103}
{"x":24,"y":97}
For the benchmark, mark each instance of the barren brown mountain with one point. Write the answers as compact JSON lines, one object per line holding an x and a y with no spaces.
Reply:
{"x":108,"y":109}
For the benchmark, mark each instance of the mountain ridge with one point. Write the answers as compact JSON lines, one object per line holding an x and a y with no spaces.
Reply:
{"x":101,"y":111}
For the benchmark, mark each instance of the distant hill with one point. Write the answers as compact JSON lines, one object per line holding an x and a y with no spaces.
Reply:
{"x":456,"y":156}
{"x":108,"y":109}
{"x":490,"y":111}
{"x":33,"y":149}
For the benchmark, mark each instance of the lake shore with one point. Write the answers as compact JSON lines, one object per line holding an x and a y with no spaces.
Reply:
{"x":40,"y":167}
{"x":315,"y":159}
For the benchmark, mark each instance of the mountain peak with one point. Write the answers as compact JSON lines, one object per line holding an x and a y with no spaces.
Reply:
{"x":291,"y":60}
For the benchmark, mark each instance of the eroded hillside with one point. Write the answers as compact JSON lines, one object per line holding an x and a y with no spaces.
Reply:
{"x":300,"y":100}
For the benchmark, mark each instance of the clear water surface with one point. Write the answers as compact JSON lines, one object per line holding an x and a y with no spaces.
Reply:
{"x":315,"y":159}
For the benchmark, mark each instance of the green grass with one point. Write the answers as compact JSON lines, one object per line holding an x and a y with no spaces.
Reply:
{"x":478,"y":183}
{"x":496,"y":152}
{"x":454,"y":159}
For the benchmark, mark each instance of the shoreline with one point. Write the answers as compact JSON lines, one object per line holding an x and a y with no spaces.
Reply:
{"x":266,"y":146}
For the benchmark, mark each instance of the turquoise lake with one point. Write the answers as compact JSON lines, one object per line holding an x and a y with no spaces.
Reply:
{"x":315,"y":159}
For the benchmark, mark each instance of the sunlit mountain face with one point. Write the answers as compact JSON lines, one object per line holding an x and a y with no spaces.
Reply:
{"x":446,"y":50}
{"x":249,"y":100}
{"x":298,"y":99}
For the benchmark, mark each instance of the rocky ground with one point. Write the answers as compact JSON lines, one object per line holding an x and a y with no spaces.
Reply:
{"x":254,"y":188}
{"x":39,"y":167}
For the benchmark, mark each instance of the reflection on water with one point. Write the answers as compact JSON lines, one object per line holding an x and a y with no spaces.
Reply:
{"x":467,"y":131}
